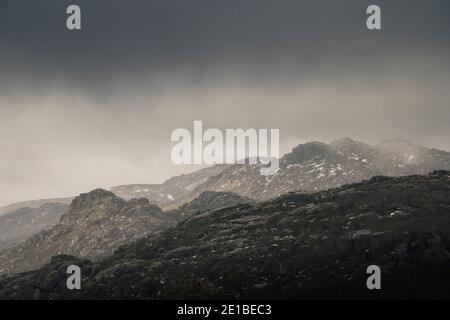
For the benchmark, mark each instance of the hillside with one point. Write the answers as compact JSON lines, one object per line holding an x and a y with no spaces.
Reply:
{"x":96,"y":223}
{"x":18,"y":225}
{"x":318,"y":166}
{"x":295,"y":246}
{"x":33,"y":204}
{"x":169,"y":191}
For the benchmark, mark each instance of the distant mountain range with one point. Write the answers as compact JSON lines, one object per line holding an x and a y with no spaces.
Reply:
{"x":160,"y":194}
{"x":20,"y":224}
{"x":299,"y":245}
{"x":33,"y":204}
{"x":21,"y":220}
{"x":318,"y":166}
{"x":308,"y":167}
{"x":170,"y":190}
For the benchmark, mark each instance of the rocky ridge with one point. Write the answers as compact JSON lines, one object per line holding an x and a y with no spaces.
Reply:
{"x":316,"y":166}
{"x":295,"y":246}
{"x":96,"y":223}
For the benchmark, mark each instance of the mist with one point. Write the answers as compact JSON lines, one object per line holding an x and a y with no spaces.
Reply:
{"x":96,"y":108}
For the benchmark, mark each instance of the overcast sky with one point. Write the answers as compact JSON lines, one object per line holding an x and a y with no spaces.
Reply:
{"x":96,"y":107}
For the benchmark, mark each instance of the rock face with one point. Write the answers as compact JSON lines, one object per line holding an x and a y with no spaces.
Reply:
{"x":318,"y":166}
{"x":296,"y":246}
{"x":17,"y":225}
{"x":97,"y":223}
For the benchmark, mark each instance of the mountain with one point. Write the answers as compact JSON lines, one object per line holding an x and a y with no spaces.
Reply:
{"x":318,"y":166}
{"x":96,"y":223}
{"x":309,"y":167}
{"x":33,"y":204}
{"x":160,"y":194}
{"x":21,"y":220}
{"x":22,"y":223}
{"x":298,"y":245}
{"x":170,"y":190}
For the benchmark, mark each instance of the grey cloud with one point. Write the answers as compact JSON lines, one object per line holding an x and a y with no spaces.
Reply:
{"x":140,"y":41}
{"x":95,"y":108}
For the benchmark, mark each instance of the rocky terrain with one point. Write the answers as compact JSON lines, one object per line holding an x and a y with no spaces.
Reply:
{"x":95,"y":224}
{"x":208,"y":200}
{"x":169,"y":191}
{"x":308,"y":167}
{"x":22,"y":220}
{"x":20,"y":224}
{"x":161,"y":194}
{"x":318,"y":166}
{"x":298,"y":245}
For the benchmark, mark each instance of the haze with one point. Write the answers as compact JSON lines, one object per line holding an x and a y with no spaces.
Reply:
{"x":95,"y":108}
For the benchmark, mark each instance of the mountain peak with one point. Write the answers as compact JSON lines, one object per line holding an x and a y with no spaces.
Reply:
{"x":344,"y":142}
{"x":307,"y":151}
{"x":396,"y":141}
{"x":90,"y":199}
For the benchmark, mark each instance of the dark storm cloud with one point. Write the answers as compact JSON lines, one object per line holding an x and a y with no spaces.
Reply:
{"x":138,"y":40}
{"x":96,"y":108}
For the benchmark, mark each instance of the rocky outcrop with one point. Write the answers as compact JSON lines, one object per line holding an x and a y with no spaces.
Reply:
{"x":296,"y":246}
{"x":97,"y":223}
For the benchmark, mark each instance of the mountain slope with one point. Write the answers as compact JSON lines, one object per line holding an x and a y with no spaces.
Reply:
{"x":22,"y":220}
{"x":207,"y":201}
{"x":22,"y":223}
{"x":96,"y":224}
{"x":296,"y":246}
{"x":160,"y":194}
{"x":170,"y":190}
{"x":309,"y":167}
{"x":319,"y":166}
{"x":33,"y":204}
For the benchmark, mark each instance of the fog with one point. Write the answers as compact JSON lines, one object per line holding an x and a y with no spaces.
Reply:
{"x":96,"y":108}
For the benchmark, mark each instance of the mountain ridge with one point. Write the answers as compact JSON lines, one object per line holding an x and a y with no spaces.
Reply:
{"x":299,"y":245}
{"x":316,"y":165}
{"x":98,"y":222}
{"x":94,"y":226}
{"x":395,"y":157}
{"x":19,"y":224}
